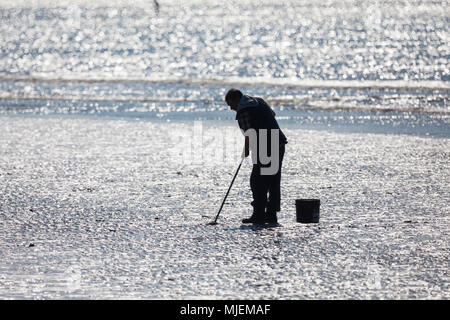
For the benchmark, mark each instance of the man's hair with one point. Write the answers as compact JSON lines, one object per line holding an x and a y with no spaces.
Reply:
{"x":233,"y":95}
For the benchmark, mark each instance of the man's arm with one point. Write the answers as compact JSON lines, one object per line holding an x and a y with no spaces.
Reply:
{"x":245,"y":123}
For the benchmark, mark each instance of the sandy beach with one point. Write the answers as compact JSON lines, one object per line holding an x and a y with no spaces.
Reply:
{"x":100,"y":208}
{"x":117,"y":148}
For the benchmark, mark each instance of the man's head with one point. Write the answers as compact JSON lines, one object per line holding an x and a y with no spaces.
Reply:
{"x":232,"y":98}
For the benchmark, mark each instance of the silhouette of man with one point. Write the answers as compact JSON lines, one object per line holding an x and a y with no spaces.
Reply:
{"x":257,"y":122}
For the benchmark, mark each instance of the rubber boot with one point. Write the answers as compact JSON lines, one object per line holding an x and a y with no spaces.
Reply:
{"x":271,"y":217}
{"x":255,"y":219}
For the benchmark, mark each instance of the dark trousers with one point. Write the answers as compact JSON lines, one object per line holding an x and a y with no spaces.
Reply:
{"x":266,"y":188}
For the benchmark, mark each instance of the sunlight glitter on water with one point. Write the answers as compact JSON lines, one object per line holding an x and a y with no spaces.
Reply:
{"x":358,"y":40}
{"x":294,"y":53}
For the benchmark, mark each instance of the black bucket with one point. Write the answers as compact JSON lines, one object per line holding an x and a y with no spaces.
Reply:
{"x":307,"y":210}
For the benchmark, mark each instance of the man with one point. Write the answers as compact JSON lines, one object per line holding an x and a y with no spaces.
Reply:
{"x":257,"y":121}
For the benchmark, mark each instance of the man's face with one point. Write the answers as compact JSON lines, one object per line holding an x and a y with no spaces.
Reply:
{"x":233,"y":104}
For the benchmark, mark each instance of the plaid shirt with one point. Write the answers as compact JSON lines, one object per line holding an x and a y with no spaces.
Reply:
{"x":246,"y":120}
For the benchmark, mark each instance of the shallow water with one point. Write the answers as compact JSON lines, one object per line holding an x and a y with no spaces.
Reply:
{"x":361,"y":40}
{"x":370,"y":55}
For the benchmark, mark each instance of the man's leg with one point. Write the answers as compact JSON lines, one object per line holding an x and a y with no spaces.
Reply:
{"x":274,"y":193}
{"x":259,"y":185}
{"x":273,"y":205}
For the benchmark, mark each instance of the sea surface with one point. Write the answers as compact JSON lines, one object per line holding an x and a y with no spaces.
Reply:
{"x":378,"y":66}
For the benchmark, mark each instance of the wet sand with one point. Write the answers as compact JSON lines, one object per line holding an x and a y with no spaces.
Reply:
{"x":104,"y":208}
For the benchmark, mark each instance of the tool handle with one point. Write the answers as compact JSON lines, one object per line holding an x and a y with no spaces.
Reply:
{"x":232,"y":181}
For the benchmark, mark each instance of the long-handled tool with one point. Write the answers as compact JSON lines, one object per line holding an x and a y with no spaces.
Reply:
{"x":223,"y":202}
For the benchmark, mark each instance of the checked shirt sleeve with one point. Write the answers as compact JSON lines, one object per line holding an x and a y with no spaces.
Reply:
{"x":245,"y":121}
